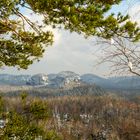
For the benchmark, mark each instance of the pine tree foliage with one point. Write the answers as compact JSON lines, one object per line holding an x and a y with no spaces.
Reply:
{"x":21,"y":46}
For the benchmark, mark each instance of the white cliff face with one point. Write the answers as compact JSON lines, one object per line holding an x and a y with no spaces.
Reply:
{"x":70,"y":80}
{"x":65,"y":79}
{"x":39,"y":79}
{"x":45,"y":78}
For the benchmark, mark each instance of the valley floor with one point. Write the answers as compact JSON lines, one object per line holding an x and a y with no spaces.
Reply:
{"x":86,"y":117}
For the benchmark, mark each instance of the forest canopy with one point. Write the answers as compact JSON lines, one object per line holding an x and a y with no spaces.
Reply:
{"x":21,"y":46}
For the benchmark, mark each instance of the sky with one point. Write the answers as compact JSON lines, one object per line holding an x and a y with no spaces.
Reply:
{"x":72,"y":51}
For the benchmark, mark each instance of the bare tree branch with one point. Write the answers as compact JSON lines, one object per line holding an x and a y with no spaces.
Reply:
{"x":123,"y":55}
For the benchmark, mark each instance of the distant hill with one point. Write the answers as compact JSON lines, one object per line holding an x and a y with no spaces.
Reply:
{"x":18,"y":80}
{"x":124,"y":82}
{"x":68,"y":79}
{"x":94,"y":79}
{"x":38,"y":79}
{"x":65,"y":79}
{"x":132,"y":82}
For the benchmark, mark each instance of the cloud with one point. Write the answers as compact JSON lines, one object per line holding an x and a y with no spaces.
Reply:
{"x":134,"y":12}
{"x":72,"y":53}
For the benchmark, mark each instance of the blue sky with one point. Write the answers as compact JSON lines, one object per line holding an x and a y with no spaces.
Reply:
{"x":70,"y":51}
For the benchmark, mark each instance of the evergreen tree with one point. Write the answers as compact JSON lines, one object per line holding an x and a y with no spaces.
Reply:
{"x":21,"y":46}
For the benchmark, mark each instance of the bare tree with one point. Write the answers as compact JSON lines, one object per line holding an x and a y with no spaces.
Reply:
{"x":122,"y":54}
